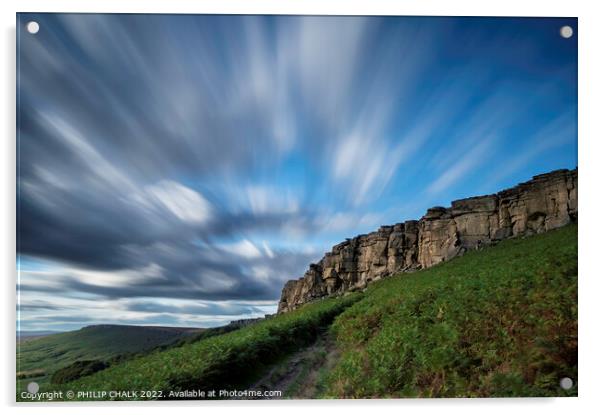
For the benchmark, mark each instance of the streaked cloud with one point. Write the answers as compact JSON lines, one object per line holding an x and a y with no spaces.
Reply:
{"x":478,"y":155}
{"x":244,"y":248}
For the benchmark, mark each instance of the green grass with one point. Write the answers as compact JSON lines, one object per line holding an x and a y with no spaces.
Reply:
{"x":103,"y":342}
{"x":226,"y":361}
{"x":498,"y":322}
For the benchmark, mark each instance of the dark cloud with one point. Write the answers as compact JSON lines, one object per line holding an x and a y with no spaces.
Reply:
{"x":36,"y":307}
{"x":67,"y":318}
{"x":186,"y":271}
{"x":207,"y":309}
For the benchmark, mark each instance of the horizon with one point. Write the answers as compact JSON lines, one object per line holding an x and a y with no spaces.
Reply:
{"x":49,"y":332}
{"x":177,"y":170}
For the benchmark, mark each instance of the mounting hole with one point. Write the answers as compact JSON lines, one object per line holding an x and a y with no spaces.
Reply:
{"x":566,"y":32}
{"x":33,"y":387}
{"x":566,"y":383}
{"x":33,"y":27}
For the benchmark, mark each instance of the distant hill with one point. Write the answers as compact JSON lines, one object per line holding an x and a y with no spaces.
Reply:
{"x":42,"y":355}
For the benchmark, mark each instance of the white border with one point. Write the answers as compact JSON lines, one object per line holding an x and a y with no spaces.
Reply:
{"x":590,"y":137}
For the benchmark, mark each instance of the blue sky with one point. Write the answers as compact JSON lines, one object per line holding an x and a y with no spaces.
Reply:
{"x":178,"y":169}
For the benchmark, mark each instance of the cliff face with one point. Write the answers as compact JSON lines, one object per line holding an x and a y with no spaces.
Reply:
{"x":546,"y":202}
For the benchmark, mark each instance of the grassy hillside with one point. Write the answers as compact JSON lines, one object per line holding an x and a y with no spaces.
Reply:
{"x":497,"y":322}
{"x":39,"y":358}
{"x":230,"y":360}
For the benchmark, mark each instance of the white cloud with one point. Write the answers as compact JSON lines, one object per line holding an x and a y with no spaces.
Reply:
{"x":243,"y":248}
{"x":214,"y":281}
{"x":169,"y":197}
{"x":473,"y":158}
{"x":268,"y":251}
{"x":327,"y":52}
{"x":269,"y":199}
{"x":365,"y":163}
{"x":120,"y":278}
{"x":560,"y":131}
{"x":56,"y":278}
{"x":343,"y":221}
{"x":185,"y":203}
{"x":261,"y":272}
{"x":103,"y":171}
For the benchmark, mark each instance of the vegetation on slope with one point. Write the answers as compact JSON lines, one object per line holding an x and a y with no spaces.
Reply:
{"x":499,"y":322}
{"x":83,"y":368}
{"x":226,"y":361}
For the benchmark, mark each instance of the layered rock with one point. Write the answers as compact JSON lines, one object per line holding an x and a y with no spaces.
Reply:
{"x":546,"y":202}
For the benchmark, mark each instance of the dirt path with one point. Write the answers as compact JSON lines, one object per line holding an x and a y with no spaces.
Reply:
{"x":299,"y":375}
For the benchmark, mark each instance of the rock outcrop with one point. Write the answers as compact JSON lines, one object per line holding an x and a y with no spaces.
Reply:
{"x":546,"y":202}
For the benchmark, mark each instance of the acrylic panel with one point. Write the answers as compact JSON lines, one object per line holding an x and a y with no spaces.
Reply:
{"x":306,"y":207}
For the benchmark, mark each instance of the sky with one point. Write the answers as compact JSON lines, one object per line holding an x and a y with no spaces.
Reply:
{"x":179,"y":169}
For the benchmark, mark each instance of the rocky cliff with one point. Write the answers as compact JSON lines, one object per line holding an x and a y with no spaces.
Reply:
{"x":546,"y":202}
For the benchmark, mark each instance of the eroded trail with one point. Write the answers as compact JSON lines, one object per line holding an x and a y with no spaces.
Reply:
{"x":300,"y":376}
